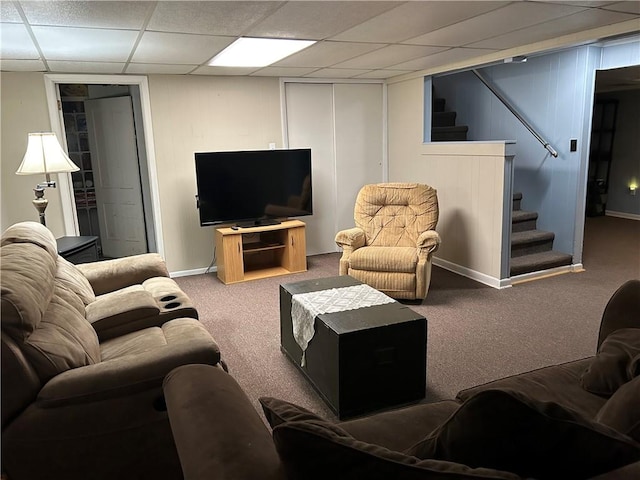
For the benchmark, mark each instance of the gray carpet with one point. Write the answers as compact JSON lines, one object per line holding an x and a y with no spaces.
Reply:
{"x":475,"y":333}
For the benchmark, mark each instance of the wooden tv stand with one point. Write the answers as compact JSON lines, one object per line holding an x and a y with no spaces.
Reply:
{"x":260,"y":252}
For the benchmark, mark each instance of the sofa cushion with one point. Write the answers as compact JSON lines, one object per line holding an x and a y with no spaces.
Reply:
{"x":556,"y":383}
{"x":504,"y":429}
{"x":72,"y":278}
{"x":278,"y":411}
{"x":622,"y":410}
{"x":320,"y":450}
{"x":614,"y":363}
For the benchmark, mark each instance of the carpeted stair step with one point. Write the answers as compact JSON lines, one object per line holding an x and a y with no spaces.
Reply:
{"x":522,"y":220}
{"x":538,"y":261}
{"x":449,"y":134}
{"x":517,"y":200}
{"x":438,"y":105}
{"x":530,"y":242}
{"x":443,"y":119}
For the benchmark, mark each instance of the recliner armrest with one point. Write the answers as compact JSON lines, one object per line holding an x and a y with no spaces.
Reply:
{"x":217,"y":431}
{"x":109,"y":275}
{"x":430,"y":240}
{"x":352,"y":237}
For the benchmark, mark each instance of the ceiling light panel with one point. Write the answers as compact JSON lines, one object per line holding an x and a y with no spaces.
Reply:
{"x":411,"y":19}
{"x":209,"y":18}
{"x":16,"y":43}
{"x":324,"y":54}
{"x":317,"y":20}
{"x":90,"y":44}
{"x":179,"y":48}
{"x":121,"y":15}
{"x":257,"y":52}
{"x":224,"y":71}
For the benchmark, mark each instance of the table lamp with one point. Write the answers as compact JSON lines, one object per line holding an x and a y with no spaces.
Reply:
{"x":44,"y":155}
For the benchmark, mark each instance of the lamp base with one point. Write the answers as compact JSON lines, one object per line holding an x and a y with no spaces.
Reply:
{"x":40,"y":203}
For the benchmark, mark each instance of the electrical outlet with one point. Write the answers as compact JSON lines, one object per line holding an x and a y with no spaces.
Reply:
{"x":272,"y":146}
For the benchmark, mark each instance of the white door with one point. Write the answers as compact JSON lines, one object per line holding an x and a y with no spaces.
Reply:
{"x":116,"y":174}
{"x":342,"y":123}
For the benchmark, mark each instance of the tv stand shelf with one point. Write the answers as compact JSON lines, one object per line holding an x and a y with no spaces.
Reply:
{"x":260,"y":252}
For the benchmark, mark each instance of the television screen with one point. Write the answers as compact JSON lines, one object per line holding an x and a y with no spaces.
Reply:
{"x":253,"y":187}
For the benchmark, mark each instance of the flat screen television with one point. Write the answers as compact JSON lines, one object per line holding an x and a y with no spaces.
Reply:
{"x":253,"y":187}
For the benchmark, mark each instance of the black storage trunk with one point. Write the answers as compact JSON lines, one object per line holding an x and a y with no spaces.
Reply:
{"x":359,"y":360}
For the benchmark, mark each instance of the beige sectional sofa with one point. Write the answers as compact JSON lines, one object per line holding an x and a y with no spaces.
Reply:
{"x":84,"y":352}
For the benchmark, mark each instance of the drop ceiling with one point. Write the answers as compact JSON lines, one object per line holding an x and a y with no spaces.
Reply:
{"x":355,"y":39}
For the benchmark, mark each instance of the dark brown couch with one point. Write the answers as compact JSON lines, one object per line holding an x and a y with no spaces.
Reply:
{"x":575,"y":420}
{"x":84,"y":352}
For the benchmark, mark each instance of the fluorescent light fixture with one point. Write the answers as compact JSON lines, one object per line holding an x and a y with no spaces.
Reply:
{"x":258,"y":52}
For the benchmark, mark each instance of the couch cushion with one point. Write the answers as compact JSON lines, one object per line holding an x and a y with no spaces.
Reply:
{"x":504,"y":429}
{"x":622,"y":410}
{"x":557,"y":383}
{"x":614,"y":363}
{"x":385,"y":259}
{"x":278,"y":411}
{"x":320,"y":450}
{"x":72,"y":278}
{"x":393,"y":284}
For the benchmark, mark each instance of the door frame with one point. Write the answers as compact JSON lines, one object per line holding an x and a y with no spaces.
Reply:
{"x":70,"y":218}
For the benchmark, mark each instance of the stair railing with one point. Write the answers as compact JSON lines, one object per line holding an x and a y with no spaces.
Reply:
{"x":506,"y":103}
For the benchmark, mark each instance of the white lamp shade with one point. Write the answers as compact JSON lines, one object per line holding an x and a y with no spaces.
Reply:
{"x":45,"y":155}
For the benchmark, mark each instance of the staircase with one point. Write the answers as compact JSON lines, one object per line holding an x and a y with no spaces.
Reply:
{"x":443,"y":124}
{"x":531,"y":249}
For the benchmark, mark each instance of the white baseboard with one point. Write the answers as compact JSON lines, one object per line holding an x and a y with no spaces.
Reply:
{"x":472,"y":274}
{"x":195,"y":271}
{"x":629,"y":216}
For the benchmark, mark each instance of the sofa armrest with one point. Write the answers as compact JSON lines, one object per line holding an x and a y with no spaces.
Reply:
{"x":127,"y":374}
{"x":352,"y":237}
{"x":628,"y":472}
{"x":622,"y":310}
{"x":109,"y":275}
{"x":429,"y":240}
{"x":217,"y":431}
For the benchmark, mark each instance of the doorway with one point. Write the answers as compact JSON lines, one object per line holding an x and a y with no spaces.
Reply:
{"x":106,"y":124}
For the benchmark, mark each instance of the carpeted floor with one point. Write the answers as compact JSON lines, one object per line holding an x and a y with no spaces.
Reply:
{"x":475,"y":333}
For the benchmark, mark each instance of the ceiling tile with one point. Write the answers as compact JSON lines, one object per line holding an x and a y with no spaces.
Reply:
{"x":209,"y":18}
{"x":9,"y":13}
{"x":155,"y":68}
{"x":179,"y":48}
{"x":124,"y":15}
{"x":388,"y":56}
{"x":85,"y":44}
{"x":16,"y":43}
{"x":207,"y":70}
{"x":336,"y":73}
{"x":86,"y":67}
{"x":326,"y":53}
{"x":22,"y":66}
{"x":512,"y":17}
{"x":629,"y":7}
{"x":317,"y":20}
{"x":585,"y":20}
{"x":443,"y":58}
{"x":411,"y":19}
{"x":382,"y":73}
{"x":282,"y":72}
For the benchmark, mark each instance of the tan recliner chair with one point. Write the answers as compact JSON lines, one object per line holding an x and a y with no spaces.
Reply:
{"x":391,"y":246}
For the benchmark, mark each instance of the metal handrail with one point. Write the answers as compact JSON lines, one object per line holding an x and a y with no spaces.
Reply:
{"x":506,"y":103}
